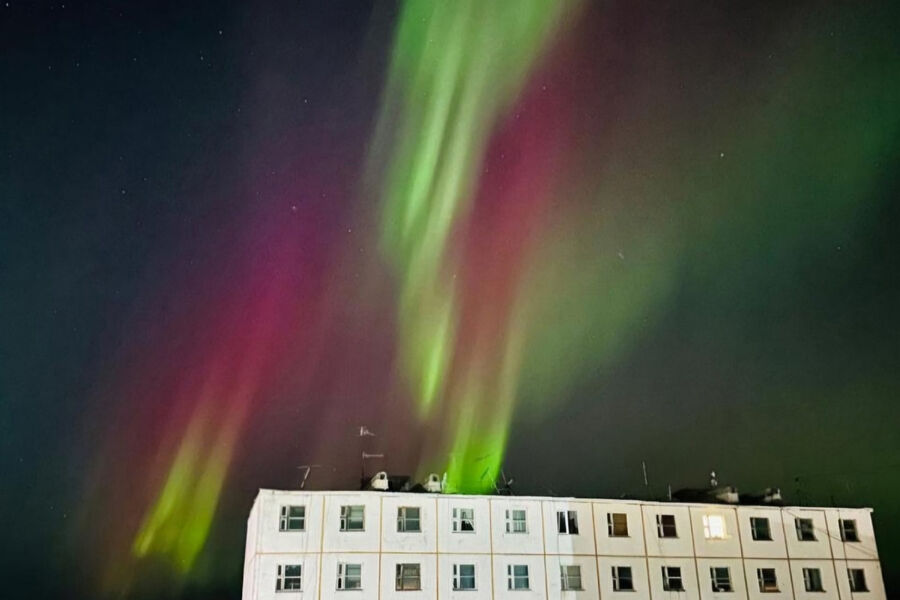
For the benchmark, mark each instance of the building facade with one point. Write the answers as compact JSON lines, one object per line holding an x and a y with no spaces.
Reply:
{"x":408,"y":546}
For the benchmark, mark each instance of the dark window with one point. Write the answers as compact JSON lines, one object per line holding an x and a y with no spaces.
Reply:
{"x":353,"y":518}
{"x":570,"y":577}
{"x":289,"y":578}
{"x":617,"y":524}
{"x":517,"y":577}
{"x":759,"y":529}
{"x":349,"y":576}
{"x":622,"y":580}
{"x":567,"y":522}
{"x":463,"y":577}
{"x":721,"y":579}
{"x":806,"y":532}
{"x":516,"y":521}
{"x":857,"y":580}
{"x":463,"y":520}
{"x":812,"y":580}
{"x":409,"y":577}
{"x":768,"y":582}
{"x":665,"y":526}
{"x":408,"y":519}
{"x":848,"y":530}
{"x":293,"y":518}
{"x":672,"y":579}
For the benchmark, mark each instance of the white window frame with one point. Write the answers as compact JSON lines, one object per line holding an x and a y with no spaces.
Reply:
{"x":513,"y":579}
{"x":287,"y":519}
{"x":812,"y":579}
{"x":760,"y":579}
{"x":516,"y":525}
{"x":283,"y":579}
{"x":611,"y":524}
{"x":344,"y":578}
{"x":661,"y":526}
{"x":402,"y":577}
{"x":567,"y":522}
{"x":347,"y":517}
{"x":460,"y":519}
{"x":754,"y":531}
{"x":799,"y":527}
{"x":458,"y":577}
{"x":853,"y":582}
{"x":720,"y":584}
{"x":567,"y":579}
{"x":403,"y":519}
{"x":842,"y":526}
{"x":714,"y":527}
{"x":619,"y":575}
{"x":672,"y":578}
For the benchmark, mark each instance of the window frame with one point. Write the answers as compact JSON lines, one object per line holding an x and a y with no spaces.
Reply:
{"x":344,"y":577}
{"x":611,"y":524}
{"x":754,"y":531}
{"x":513,"y":579}
{"x":403,"y":519}
{"x":459,"y":520}
{"x":618,"y":577}
{"x":812,"y":579}
{"x":802,"y":531}
{"x":567,"y":522}
{"x":661,"y":526}
{"x":718,"y":584}
{"x":761,"y":580}
{"x":565,"y":578}
{"x":842,"y":527}
{"x":347,"y":517}
{"x":853,"y":582}
{"x":668,"y":578}
{"x":401,"y":577}
{"x":285,"y":518}
{"x":458,"y":577}
{"x":281,"y":578}
{"x":511,"y":521}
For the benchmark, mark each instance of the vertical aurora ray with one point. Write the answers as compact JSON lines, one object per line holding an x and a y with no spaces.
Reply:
{"x":456,"y":69}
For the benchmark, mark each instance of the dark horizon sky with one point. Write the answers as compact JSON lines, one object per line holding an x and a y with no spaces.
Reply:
{"x":660,"y":232}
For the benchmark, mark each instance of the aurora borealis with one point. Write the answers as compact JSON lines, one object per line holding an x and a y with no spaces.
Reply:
{"x":557,"y":238}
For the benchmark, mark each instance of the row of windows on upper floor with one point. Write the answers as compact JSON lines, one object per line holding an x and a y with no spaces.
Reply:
{"x":353,"y":518}
{"x":408,"y":577}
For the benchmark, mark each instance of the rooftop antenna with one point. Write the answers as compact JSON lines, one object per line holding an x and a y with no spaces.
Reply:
{"x":506,"y":488}
{"x":646,"y":481}
{"x":365,"y":432}
{"x":306,"y":470}
{"x":713,"y":480}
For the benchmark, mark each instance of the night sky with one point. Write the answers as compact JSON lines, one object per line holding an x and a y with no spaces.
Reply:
{"x":553,"y":238}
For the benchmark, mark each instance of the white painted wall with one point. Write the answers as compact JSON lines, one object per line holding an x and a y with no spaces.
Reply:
{"x":380,"y":547}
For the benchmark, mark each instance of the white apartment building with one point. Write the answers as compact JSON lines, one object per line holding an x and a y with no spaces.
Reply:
{"x":409,"y":546}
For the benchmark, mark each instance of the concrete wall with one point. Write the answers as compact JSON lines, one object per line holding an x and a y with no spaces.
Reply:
{"x":379,"y":547}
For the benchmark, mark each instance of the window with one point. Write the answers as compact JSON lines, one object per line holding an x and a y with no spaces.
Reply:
{"x":515,"y":521}
{"x":767,"y":580}
{"x":622,"y":580}
{"x":759,"y":529}
{"x":517,"y":577}
{"x":721,"y":579}
{"x":409,"y":576}
{"x":617,"y":524}
{"x":570,"y":577}
{"x":463,"y":520}
{"x":848,"y":530}
{"x":812,"y":580}
{"x":665,"y":526}
{"x":805,"y":530}
{"x":714,"y":527}
{"x":349,"y":576}
{"x":567,"y":522}
{"x":672,"y":579}
{"x":293,"y":518}
{"x":408,"y":519}
{"x":353,"y":518}
{"x":289,"y":578}
{"x":463,"y":577}
{"x":857,"y":580}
